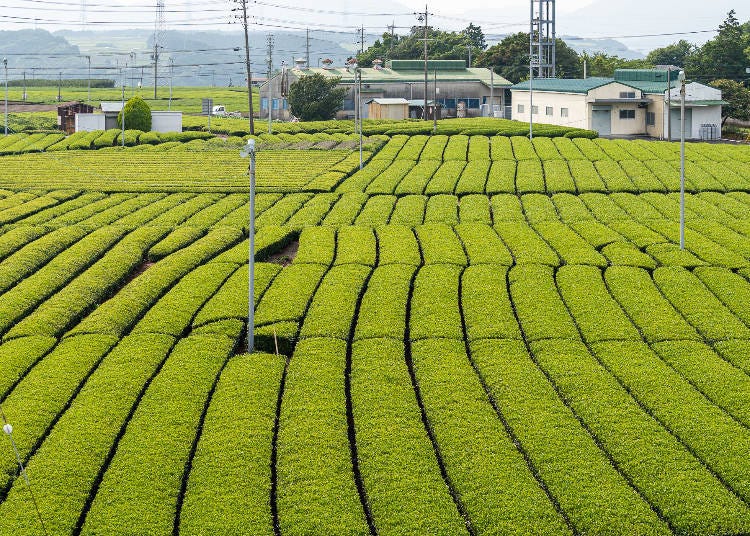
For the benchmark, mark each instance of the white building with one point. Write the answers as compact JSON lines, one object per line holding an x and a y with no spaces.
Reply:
{"x":634,"y":102}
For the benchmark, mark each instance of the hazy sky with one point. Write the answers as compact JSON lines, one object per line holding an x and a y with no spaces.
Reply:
{"x":585,"y":18}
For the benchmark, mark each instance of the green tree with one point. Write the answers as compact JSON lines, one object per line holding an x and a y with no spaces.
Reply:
{"x":475,"y":35}
{"x":137,"y":115}
{"x":510,"y":58}
{"x":676,"y":54}
{"x":601,"y":64}
{"x":442,"y":45}
{"x":316,"y":98}
{"x":723,"y":56}
{"x":738,"y":97}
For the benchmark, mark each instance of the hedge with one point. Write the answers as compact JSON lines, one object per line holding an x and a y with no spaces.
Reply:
{"x":227,"y":493}
{"x":316,"y":491}
{"x":409,"y":210}
{"x":147,"y":469}
{"x":435,"y":303}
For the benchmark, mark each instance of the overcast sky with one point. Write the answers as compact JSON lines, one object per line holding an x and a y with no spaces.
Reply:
{"x":585,"y":18}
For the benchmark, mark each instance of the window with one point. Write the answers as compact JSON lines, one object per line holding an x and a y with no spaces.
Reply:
{"x":520,"y":108}
{"x":348,"y":104}
{"x":548,"y":110}
{"x":535,"y":110}
{"x":627,"y":94}
{"x":472,"y":104}
{"x":264,"y":103}
{"x":627,"y":114}
{"x":650,"y":119}
{"x":563,"y":112}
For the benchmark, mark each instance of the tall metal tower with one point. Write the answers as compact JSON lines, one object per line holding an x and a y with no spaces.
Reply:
{"x":159,"y":38}
{"x":542,"y":38}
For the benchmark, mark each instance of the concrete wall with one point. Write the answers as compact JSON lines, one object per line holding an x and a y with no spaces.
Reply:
{"x":89,"y":122}
{"x":578,"y":111}
{"x":166,"y":121}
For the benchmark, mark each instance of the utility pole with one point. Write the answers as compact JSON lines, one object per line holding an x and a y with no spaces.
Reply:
{"x":88,"y":97}
{"x":243,"y":7}
{"x":469,"y":54}
{"x":24,"y":87}
{"x":122,"y":111}
{"x":422,"y":17}
{"x":669,"y":104}
{"x":156,"y":67}
{"x":531,"y":72}
{"x":307,"y":48}
{"x":269,"y":43}
{"x":59,"y":86}
{"x":5,"y":66}
{"x":392,"y":29}
{"x":171,"y":76}
{"x":361,"y":40}
{"x":682,"y":158}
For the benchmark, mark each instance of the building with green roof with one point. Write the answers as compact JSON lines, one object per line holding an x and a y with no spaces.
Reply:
{"x":635,"y":102}
{"x":460,"y":90}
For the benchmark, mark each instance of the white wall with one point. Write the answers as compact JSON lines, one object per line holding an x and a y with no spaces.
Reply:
{"x":89,"y":122}
{"x":706,"y":114}
{"x":701,"y":114}
{"x":166,"y":121}
{"x":574,"y":102}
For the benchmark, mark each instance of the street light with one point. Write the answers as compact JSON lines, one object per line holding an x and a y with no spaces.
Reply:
{"x":249,"y":150}
{"x":5,"y":65}
{"x":681,"y":78}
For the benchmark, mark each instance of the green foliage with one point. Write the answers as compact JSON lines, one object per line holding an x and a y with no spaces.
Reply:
{"x":677,"y":54}
{"x":315,"y":98}
{"x":444,"y":46}
{"x":738,"y":97}
{"x":137,"y":115}
{"x":510,"y":58}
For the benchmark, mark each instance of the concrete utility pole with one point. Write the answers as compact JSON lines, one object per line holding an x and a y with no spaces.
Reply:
{"x":249,"y":151}
{"x":669,"y":103}
{"x":422,"y":17}
{"x":5,"y":66}
{"x":88,"y":96}
{"x":243,"y":19}
{"x":307,"y":49}
{"x":682,"y":159}
{"x":269,"y":43}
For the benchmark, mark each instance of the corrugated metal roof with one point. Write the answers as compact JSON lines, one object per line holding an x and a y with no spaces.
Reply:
{"x":565,"y":85}
{"x":114,"y":106}
{"x":385,"y":75}
{"x":651,"y":88}
{"x":432,"y":65}
{"x":645,"y":75}
{"x":677,"y":104}
{"x":387,"y":101}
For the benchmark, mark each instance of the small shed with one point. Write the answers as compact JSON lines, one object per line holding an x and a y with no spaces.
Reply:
{"x":111,"y":110}
{"x":66,"y":116}
{"x":383,"y":108}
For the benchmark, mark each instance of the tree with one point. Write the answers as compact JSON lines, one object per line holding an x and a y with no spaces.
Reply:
{"x":676,"y":54}
{"x":723,"y":56}
{"x":475,"y":35}
{"x":510,"y":58}
{"x":137,"y":115}
{"x":601,"y":64}
{"x":316,"y":98}
{"x":442,"y":45}
{"x":738,"y":97}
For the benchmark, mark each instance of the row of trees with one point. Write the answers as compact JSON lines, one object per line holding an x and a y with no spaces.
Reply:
{"x":721,"y":62}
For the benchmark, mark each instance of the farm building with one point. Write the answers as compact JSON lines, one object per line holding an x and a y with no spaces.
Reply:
{"x":458,"y":88}
{"x":632,"y":103}
{"x":161,"y":121}
{"x":387,"y":108}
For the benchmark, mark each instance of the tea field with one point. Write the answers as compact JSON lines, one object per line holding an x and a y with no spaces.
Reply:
{"x":476,"y":335}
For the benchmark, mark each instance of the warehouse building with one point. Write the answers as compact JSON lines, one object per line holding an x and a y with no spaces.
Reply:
{"x":633,"y":103}
{"x":460,"y":91}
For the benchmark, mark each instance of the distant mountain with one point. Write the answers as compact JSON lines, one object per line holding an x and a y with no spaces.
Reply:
{"x":200,"y":58}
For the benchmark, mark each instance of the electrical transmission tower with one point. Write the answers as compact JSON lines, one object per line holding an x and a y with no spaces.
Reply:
{"x":542,"y":38}
{"x":159,"y":37}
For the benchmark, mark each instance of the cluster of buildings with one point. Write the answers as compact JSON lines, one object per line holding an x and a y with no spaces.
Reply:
{"x":634,"y":102}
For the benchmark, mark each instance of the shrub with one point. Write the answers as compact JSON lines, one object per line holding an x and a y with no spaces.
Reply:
{"x":137,"y":115}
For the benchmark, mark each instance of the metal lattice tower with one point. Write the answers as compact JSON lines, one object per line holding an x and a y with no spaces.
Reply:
{"x":542,"y":38}
{"x":159,"y":38}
